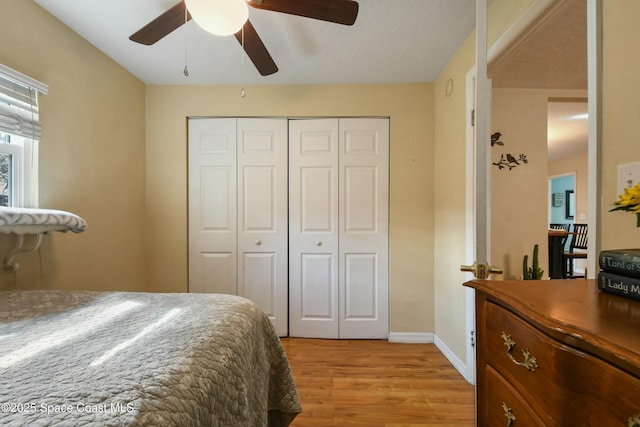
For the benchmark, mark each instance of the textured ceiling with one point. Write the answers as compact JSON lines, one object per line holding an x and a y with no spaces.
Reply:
{"x":392,"y":41}
{"x":552,"y":56}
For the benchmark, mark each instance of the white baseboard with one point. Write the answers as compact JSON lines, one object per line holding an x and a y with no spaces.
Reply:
{"x":431,"y":338}
{"x":411,"y":337}
{"x":452,"y":358}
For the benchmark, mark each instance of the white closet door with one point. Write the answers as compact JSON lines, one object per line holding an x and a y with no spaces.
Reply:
{"x":212,"y":205}
{"x":338,"y":235}
{"x":238,"y":211}
{"x":364,"y":223}
{"x":313,"y":228}
{"x":262,"y":216}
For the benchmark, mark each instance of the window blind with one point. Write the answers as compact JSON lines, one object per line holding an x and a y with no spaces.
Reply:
{"x":19,"y":103}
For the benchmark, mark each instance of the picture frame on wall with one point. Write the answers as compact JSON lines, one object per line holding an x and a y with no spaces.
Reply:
{"x":570,"y":205}
{"x":557,"y":199}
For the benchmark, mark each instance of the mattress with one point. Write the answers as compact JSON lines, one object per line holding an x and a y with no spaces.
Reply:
{"x":140,"y":359}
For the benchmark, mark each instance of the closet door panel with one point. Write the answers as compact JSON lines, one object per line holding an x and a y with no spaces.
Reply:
{"x":313,"y":228}
{"x":364,"y":219}
{"x":262,"y":216}
{"x":259,"y":282}
{"x":259,"y":204}
{"x":361,"y":193}
{"x":218,"y":273}
{"x":212,"y":205}
{"x":361,"y":286}
{"x":317,"y":293}
{"x":317,"y":197}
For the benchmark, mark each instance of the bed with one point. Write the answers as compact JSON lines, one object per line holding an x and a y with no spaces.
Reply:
{"x":140,"y":359}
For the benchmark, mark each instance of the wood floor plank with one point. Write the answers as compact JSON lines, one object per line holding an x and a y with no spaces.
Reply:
{"x":375,"y":383}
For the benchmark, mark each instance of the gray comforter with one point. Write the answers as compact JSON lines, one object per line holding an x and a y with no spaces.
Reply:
{"x":140,"y":359}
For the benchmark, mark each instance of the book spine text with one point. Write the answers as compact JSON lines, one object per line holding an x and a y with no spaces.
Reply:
{"x":619,"y":285}
{"x":620,"y":263}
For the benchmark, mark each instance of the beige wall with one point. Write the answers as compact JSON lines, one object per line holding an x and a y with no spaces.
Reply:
{"x":410,"y":108}
{"x":620,"y":116}
{"x":519,"y":197}
{"x":91,"y":156}
{"x":450,"y":177}
{"x":576,"y":164}
{"x":501,"y":14}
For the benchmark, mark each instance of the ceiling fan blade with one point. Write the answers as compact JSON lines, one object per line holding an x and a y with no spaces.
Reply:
{"x":163,"y":25}
{"x":256,"y":50}
{"x":338,"y":11}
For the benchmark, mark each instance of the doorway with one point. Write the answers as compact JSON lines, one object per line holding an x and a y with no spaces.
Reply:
{"x":562,"y":199}
{"x":539,"y":97}
{"x":571,"y":17}
{"x":567,"y":153}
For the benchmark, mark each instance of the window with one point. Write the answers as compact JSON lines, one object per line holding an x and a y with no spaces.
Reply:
{"x":19,"y":137}
{"x":18,"y":170}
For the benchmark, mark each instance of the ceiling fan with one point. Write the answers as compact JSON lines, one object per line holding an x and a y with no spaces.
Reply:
{"x":337,"y":11}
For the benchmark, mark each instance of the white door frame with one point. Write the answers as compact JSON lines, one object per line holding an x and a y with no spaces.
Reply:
{"x":470,"y":228}
{"x":478,"y":194}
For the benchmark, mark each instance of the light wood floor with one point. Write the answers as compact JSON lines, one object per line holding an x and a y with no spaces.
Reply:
{"x":374,"y":383}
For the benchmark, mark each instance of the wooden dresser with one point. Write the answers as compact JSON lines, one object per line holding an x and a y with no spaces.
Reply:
{"x":556,"y":353}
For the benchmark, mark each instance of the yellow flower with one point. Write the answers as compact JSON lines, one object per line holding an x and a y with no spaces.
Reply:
{"x":629,"y":201}
{"x":629,"y":198}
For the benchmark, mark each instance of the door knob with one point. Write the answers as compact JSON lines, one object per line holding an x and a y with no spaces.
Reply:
{"x":481,"y":271}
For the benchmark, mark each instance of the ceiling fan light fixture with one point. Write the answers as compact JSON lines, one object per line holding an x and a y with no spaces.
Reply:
{"x":219,"y":17}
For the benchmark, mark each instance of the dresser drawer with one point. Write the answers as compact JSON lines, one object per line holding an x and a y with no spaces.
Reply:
{"x":504,"y":405}
{"x":561,"y":384}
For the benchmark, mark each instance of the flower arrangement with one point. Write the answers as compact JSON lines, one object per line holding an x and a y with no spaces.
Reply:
{"x":629,"y":201}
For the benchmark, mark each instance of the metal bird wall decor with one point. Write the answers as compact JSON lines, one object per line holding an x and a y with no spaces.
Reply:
{"x":507,"y":161}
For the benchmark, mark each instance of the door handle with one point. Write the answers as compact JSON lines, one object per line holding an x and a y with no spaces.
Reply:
{"x":481,"y":271}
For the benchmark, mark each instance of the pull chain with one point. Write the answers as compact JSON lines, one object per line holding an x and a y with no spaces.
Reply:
{"x":242,"y":92}
{"x":186,"y":69}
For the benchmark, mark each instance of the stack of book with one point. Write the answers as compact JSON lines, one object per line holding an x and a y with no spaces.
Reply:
{"x":620,"y":273}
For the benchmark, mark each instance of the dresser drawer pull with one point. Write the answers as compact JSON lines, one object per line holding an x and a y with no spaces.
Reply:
{"x":507,"y":413}
{"x":634,"y":421}
{"x":529,"y":361}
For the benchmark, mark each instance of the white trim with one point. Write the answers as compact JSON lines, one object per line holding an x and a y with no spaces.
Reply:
{"x":470,"y":339}
{"x":453,"y":359}
{"x":470,"y":230}
{"x":411,"y":337}
{"x":482,"y":146}
{"x":514,"y":34}
{"x":24,"y":79}
{"x":594,"y":105}
{"x":431,"y":338}
{"x":16,"y":151}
